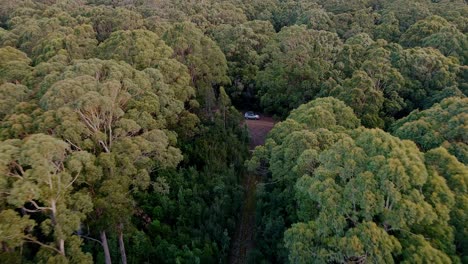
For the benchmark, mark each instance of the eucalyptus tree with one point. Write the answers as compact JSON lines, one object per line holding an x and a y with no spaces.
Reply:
{"x":352,"y":23}
{"x":292,"y":149}
{"x":436,"y":32}
{"x":298,"y":63}
{"x":442,"y":125}
{"x":118,"y":114}
{"x":105,"y":20}
{"x":205,"y":61}
{"x":456,"y":176}
{"x":14,"y":66}
{"x":49,"y":33}
{"x":38,"y":176}
{"x":372,"y":198}
{"x":429,"y":76}
{"x":406,"y":12}
{"x":388,"y":27}
{"x":372,"y":86}
{"x":317,"y":18}
{"x":452,"y":11}
{"x":242,"y":45}
{"x":144,"y":49}
{"x":10,"y":96}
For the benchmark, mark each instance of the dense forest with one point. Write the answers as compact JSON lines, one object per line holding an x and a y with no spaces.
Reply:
{"x":122,"y":137}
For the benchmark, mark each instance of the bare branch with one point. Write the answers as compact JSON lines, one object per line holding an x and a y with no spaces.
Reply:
{"x":41,"y":208}
{"x":18,"y":166}
{"x":104,"y":146}
{"x":74,"y":179}
{"x":14,"y":175}
{"x":31,"y":240}
{"x":30,"y":211}
{"x":75,"y":146}
{"x":90,"y":238}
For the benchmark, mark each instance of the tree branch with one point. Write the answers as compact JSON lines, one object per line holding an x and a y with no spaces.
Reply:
{"x":104,"y":146}
{"x":40,"y":208}
{"x":90,"y":238}
{"x":75,"y":146}
{"x":31,"y":240}
{"x":30,"y":211}
{"x":74,"y":179}
{"x":14,"y":175}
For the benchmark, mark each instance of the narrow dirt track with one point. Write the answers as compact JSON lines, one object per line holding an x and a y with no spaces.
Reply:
{"x":243,"y":242}
{"x":258,"y":130}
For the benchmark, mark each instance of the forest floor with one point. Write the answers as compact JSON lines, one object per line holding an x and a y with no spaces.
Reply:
{"x":244,"y":242}
{"x":258,"y":130}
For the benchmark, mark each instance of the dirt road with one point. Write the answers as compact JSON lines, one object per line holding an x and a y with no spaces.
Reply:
{"x":243,"y":242}
{"x":258,"y":130}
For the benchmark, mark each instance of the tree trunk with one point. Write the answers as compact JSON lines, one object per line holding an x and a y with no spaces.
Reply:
{"x":122,"y":245}
{"x":60,"y":242}
{"x":62,"y":246}
{"x":105,"y":246}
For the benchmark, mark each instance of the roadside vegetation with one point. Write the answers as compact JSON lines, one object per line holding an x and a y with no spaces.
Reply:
{"x":122,"y":136}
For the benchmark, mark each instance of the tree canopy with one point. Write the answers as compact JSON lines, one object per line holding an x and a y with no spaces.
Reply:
{"x":122,"y":137}
{"x":443,"y":125}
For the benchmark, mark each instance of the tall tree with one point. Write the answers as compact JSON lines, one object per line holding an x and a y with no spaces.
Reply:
{"x":360,"y":94}
{"x":429,"y":76}
{"x":44,"y":36}
{"x":14,"y":66}
{"x":106,"y":20}
{"x":144,"y":49}
{"x":242,"y":44}
{"x":36,"y":179}
{"x":298,"y":63}
{"x":407,"y":13}
{"x":371,"y":199}
{"x":292,"y":149}
{"x":442,"y":125}
{"x":113,"y":111}
{"x":438,"y":33}
{"x":373,"y":87}
{"x":205,"y":61}
{"x":456,"y":175}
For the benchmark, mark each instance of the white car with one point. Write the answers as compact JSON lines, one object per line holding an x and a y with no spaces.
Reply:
{"x":251,"y":115}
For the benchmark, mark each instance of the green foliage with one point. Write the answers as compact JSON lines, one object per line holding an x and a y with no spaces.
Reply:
{"x":205,"y":61}
{"x":11,"y":95}
{"x":106,"y":20}
{"x":428,"y":75}
{"x":317,"y":18}
{"x":118,"y":125}
{"x":438,"y":33}
{"x":292,"y":150}
{"x":388,"y":28}
{"x":298,"y":62}
{"x":14,"y":66}
{"x":36,"y":180}
{"x":456,"y":175}
{"x":359,"y":93}
{"x":368,"y":202}
{"x":53,"y":33}
{"x":195,"y":220}
{"x":441,"y":125}
{"x":116,"y":113}
{"x":144,"y":49}
{"x":407,"y":12}
{"x":242,"y":44}
{"x":140,"y":48}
